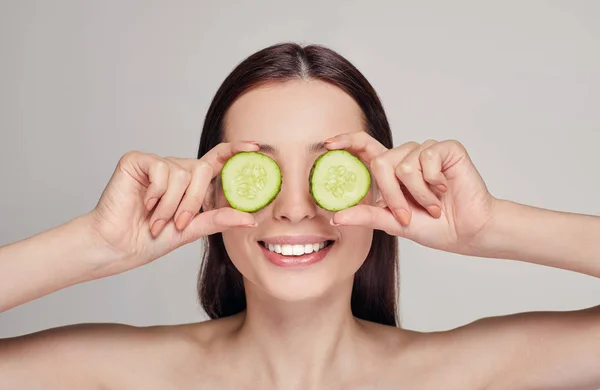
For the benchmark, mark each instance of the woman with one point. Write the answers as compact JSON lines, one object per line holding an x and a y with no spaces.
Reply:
{"x":328,"y":319}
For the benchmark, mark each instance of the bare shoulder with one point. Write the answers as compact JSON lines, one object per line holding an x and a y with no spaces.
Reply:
{"x":102,"y":356}
{"x":516,"y":351}
{"x":536,"y":350}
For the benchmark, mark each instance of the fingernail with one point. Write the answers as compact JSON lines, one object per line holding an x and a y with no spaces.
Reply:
{"x":254,"y":224}
{"x":157,"y":227}
{"x":434,"y":210}
{"x":183,"y":220}
{"x":441,"y":187}
{"x":403,"y":216}
{"x":333,"y":223}
{"x":252,"y":143}
{"x":151,"y":203}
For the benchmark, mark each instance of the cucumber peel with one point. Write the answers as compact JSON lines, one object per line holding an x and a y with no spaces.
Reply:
{"x":338,"y":180}
{"x":251,"y":181}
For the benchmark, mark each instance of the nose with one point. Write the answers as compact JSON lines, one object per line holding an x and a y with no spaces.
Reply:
{"x":294,"y":202}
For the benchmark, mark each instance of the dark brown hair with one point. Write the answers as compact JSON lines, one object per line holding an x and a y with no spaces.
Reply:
{"x":220,"y":284}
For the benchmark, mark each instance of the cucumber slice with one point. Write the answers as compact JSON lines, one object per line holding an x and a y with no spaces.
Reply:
{"x":250,"y":181}
{"x":339,"y":180}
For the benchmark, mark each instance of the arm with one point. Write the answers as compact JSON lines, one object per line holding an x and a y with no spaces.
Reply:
{"x":67,"y":357}
{"x":546,"y":237}
{"x":85,"y":356}
{"x":543,"y":350}
{"x":536,"y":350}
{"x":525,"y":351}
{"x":118,"y":235}
{"x":50,"y":261}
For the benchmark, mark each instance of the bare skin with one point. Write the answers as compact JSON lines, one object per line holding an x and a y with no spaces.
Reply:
{"x":299,"y":333}
{"x":502,"y":353}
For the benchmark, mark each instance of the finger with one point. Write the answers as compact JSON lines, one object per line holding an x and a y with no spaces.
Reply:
{"x":450,"y":154}
{"x":218,"y":155}
{"x":431,"y":165}
{"x":360,"y":143}
{"x":383,"y":171}
{"x":148,"y":170}
{"x":203,"y":170}
{"x":409,"y":172}
{"x":179,"y":179}
{"x":216,"y":221}
{"x":191,"y":203}
{"x":371,"y":217}
{"x":157,"y":173}
{"x":380,"y":202}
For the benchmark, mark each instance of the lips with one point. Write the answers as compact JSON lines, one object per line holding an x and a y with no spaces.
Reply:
{"x":295,"y":251}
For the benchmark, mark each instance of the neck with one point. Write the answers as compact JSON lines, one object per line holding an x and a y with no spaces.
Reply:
{"x":299,"y":342}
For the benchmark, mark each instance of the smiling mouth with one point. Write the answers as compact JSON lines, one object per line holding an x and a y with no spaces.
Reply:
{"x":296,"y":249}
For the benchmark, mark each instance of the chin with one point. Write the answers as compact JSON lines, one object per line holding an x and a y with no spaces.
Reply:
{"x":296,"y":288}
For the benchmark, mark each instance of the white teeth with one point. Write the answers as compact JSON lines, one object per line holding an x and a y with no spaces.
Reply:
{"x":296,"y":250}
{"x":287,"y":250}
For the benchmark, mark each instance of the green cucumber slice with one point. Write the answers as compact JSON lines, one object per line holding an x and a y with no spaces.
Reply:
{"x":250,"y":180}
{"x":339,"y":180}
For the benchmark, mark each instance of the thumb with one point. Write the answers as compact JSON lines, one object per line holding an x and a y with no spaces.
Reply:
{"x":377,"y":218}
{"x":215,"y":221}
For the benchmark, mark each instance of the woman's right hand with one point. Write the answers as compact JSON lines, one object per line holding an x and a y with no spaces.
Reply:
{"x":151,"y":206}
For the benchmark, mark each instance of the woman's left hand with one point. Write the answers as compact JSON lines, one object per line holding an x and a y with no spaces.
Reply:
{"x":430,"y":193}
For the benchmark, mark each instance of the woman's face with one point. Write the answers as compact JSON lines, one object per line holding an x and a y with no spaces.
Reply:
{"x":291,"y":120}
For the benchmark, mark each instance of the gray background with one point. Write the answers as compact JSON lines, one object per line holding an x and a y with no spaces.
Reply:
{"x":82,"y":82}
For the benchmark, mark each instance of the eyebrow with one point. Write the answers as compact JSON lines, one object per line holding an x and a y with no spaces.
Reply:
{"x":315,"y":147}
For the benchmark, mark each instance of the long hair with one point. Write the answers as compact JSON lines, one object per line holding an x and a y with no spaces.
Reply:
{"x":375,"y":286}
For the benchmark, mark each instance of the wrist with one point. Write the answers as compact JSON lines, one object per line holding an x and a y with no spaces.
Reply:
{"x":541,"y":236}
{"x":97,"y":254}
{"x":57,"y":258}
{"x":500,"y":234}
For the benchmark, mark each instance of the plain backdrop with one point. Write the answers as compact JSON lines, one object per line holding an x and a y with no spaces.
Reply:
{"x":83,"y":82}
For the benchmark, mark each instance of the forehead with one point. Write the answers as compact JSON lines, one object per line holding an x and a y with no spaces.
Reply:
{"x":293,"y":111}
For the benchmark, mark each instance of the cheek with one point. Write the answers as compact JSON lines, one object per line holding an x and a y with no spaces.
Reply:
{"x":235,"y":244}
{"x":356,"y":244}
{"x":221,"y":201}
{"x":219,"y":196}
